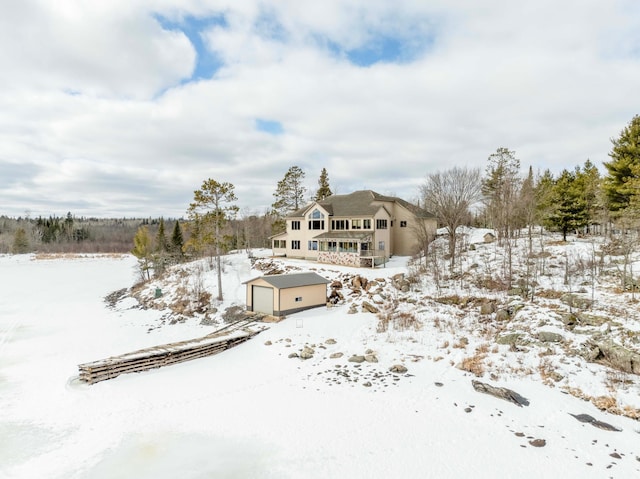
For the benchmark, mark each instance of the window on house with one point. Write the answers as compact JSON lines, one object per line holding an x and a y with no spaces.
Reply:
{"x":348,"y":247}
{"x":295,"y":244}
{"x":403,"y":224}
{"x":381,"y":245}
{"x":381,"y":224}
{"x":316,"y":215}
{"x":356,"y":224}
{"x":339,"y":224}
{"x":299,"y":299}
{"x":295,"y":225}
{"x":316,"y":224}
{"x":313,"y":246}
{"x":366,"y":224}
{"x":279,"y":243}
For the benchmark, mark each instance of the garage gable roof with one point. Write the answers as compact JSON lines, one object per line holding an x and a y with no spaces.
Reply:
{"x":292,"y":280}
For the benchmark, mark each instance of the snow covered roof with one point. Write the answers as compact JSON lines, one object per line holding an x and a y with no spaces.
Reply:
{"x":292,"y":280}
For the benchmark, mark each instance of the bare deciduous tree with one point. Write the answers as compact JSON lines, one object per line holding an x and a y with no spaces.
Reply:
{"x":449,"y":195}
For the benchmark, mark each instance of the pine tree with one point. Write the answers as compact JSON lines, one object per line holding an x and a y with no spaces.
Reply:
{"x":324,"y":191}
{"x":212,"y":206}
{"x":589,"y":184}
{"x":162,"y":245}
{"x":623,"y":167}
{"x":289,"y":195}
{"x":177,"y":241}
{"x":20,"y":242}
{"x":568,"y":210}
{"x":142,"y":249}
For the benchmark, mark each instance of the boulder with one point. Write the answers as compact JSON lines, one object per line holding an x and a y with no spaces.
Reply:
{"x":502,"y":315}
{"x":371,"y":358}
{"x":613,"y":355}
{"x":336,"y":355}
{"x":487,"y":307}
{"x":306,"y":353}
{"x":366,"y":306}
{"x":330,"y":341}
{"x":398,"y":369}
{"x":576,"y":301}
{"x":549,"y":337}
{"x":356,"y":359}
{"x":501,"y":393}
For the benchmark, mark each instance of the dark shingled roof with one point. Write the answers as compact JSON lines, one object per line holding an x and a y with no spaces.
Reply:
{"x":359,"y":203}
{"x":292,"y":280}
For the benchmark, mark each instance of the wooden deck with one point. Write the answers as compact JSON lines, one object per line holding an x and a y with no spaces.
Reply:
{"x":166,"y":354}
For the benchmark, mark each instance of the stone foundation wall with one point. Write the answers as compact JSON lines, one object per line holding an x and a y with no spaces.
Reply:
{"x":343,"y":259}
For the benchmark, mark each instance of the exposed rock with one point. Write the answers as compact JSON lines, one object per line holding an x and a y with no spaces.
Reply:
{"x":570,"y":319}
{"x":336,"y":355}
{"x":487,"y":307}
{"x":502,"y":315}
{"x":353,"y":309}
{"x":613,"y":355}
{"x":398,"y":369}
{"x":268,"y":343}
{"x":502,"y":393}
{"x":371,"y":358}
{"x":306,"y":353}
{"x":594,"y":422}
{"x":575,"y":301}
{"x":293,"y":355}
{"x":336,"y":285}
{"x":400,"y":282}
{"x":549,"y":337}
{"x":538,"y":443}
{"x":367,"y":384}
{"x":330,"y":341}
{"x":512,"y":339}
{"x":356,"y":359}
{"x":366,"y":306}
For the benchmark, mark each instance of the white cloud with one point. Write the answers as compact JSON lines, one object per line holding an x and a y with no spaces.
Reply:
{"x":552,"y":81}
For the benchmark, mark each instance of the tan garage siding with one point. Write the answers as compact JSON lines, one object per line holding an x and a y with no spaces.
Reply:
{"x":291,"y":292}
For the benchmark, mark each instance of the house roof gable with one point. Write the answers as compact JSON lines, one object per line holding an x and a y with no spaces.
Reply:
{"x":359,"y":203}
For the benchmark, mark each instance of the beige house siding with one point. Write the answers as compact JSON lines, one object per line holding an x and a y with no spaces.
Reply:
{"x":362,"y":206}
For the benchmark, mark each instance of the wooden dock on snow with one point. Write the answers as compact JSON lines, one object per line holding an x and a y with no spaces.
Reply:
{"x":166,"y":354}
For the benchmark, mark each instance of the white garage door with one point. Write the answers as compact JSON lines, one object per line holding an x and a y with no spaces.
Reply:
{"x":263,"y":299}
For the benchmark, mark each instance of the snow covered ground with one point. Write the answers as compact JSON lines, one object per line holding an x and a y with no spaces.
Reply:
{"x":253,"y":412}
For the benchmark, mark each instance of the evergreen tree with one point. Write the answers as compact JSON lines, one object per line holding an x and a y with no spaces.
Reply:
{"x":324,"y":191}
{"x":162,"y":245}
{"x":289,"y":195}
{"x":177,"y":241}
{"x":568,"y":208}
{"x":20,"y":242}
{"x":143,"y":249}
{"x":212,"y":206}
{"x":623,"y":168}
{"x":589,"y":184}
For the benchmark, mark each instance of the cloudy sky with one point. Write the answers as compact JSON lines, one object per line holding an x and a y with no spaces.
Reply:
{"x":124,"y":107}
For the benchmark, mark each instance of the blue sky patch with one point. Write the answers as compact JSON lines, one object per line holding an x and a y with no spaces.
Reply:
{"x":388,"y":49}
{"x":272,"y":127}
{"x":207,"y":62}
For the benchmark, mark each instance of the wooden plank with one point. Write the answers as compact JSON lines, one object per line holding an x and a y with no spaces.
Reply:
{"x":164,"y":355}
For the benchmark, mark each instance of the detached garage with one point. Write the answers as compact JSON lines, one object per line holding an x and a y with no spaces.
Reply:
{"x":282,"y":294}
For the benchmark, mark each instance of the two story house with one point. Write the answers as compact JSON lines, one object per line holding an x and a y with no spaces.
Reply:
{"x":363,"y":228}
